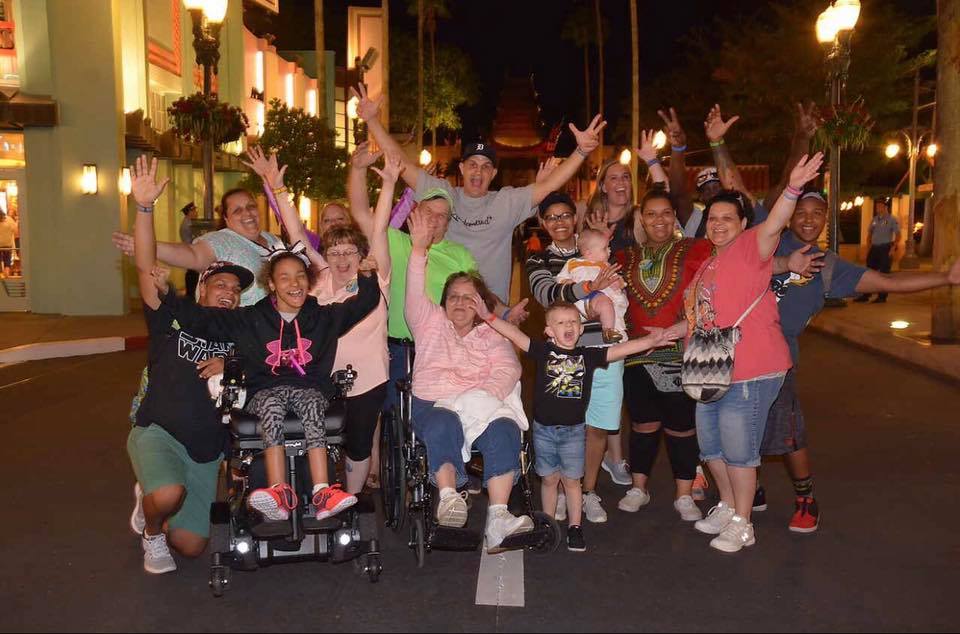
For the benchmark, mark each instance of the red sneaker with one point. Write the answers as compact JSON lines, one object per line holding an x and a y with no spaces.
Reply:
{"x":274,"y":503}
{"x":806,"y":517}
{"x":332,"y":500}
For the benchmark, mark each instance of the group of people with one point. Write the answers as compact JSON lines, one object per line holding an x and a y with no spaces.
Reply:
{"x":630,"y":293}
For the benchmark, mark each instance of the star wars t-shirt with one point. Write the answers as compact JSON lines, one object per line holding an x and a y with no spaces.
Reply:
{"x":564,"y":379}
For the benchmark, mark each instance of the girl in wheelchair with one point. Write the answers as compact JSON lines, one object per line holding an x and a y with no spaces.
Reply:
{"x":288,"y":343}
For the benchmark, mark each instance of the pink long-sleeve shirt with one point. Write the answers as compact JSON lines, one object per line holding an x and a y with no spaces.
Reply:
{"x":447,"y":364}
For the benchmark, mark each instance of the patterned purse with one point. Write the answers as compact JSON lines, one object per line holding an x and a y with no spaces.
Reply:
{"x":707,"y":369}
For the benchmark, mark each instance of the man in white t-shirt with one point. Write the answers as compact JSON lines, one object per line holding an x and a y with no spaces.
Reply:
{"x":484,"y":220}
{"x":8,"y":242}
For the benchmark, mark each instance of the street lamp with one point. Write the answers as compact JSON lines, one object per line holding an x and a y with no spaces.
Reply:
{"x":834,"y":30}
{"x":425,"y":157}
{"x":625,"y":157}
{"x":207,"y":17}
{"x":659,"y":140}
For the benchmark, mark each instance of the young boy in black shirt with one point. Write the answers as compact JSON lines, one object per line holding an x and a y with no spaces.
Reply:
{"x":561,"y":395}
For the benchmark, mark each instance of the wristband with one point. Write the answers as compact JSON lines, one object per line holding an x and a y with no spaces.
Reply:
{"x":582,"y":153}
{"x":678,"y":148}
{"x":278,"y":190}
{"x":717,"y":143}
{"x":586,"y":288}
{"x":793,"y":190}
{"x":146,"y":210}
{"x":790,"y":196}
{"x":652,"y":162}
{"x":490,"y":318}
{"x":504,"y":315}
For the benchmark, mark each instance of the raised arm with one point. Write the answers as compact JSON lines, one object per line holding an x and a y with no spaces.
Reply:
{"x":678,"y":165}
{"x":379,"y":245}
{"x":217,"y":324}
{"x":657,"y":337}
{"x":417,"y":307}
{"x":805,"y":126}
{"x":369,"y":111}
{"x":648,"y":154}
{"x":197,"y":256}
{"x":266,"y":168}
{"x":508,"y":330}
{"x":587,"y":141}
{"x":352,"y":311}
{"x":768,"y":233}
{"x":360,"y":162}
{"x":146,"y":190}
{"x":716,"y":128}
{"x":907,"y":282}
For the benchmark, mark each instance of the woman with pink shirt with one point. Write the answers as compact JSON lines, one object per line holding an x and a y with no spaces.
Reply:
{"x":462,"y":360}
{"x":365,"y":346}
{"x":731,"y":286}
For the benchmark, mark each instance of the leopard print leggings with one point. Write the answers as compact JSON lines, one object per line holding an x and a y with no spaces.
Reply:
{"x":272,"y":405}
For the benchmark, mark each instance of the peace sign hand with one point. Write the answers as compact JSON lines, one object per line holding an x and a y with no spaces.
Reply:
{"x":589,"y":139}
{"x":367,"y":108}
{"x":392,"y":167}
{"x":143,"y":181}
{"x":806,"y":120}
{"x":678,"y":138}
{"x":715,"y":127}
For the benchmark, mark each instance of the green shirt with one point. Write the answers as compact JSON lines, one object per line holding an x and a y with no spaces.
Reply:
{"x":443,"y":259}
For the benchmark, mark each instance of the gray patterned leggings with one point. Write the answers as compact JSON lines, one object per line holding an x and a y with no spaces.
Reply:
{"x":272,"y":405}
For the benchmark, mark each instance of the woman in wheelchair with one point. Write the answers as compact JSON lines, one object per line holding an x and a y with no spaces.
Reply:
{"x":337,"y":265}
{"x":287,"y":342}
{"x":460,"y":358}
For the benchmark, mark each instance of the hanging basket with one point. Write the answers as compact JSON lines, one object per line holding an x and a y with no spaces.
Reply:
{"x":847,"y":126}
{"x":199,"y":118}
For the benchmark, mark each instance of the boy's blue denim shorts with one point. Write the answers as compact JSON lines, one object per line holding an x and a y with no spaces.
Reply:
{"x":731,"y":429}
{"x":559,"y":448}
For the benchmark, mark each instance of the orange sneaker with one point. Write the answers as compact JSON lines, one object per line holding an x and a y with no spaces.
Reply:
{"x":806,"y":517}
{"x":332,"y":500}
{"x":700,"y":485}
{"x":274,"y":503}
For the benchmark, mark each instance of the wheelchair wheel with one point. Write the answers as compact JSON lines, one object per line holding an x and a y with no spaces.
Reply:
{"x":551,"y":533}
{"x":219,"y":580}
{"x":418,"y":540}
{"x":393,"y":473}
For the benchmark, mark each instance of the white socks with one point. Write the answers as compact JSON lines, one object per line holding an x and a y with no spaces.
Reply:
{"x":318,"y":487}
{"x":447,"y":491}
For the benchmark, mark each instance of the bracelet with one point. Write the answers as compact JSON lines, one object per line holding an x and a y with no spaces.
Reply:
{"x":586,"y":288}
{"x":791,"y":196}
{"x":717,"y":143}
{"x":678,"y":148}
{"x":652,"y":162}
{"x":505,"y":313}
{"x":146,"y":210}
{"x":490,"y":318}
{"x":582,"y":153}
{"x":278,"y":190}
{"x":794,"y":190}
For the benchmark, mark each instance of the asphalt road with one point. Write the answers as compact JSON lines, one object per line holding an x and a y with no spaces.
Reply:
{"x":885,"y":443}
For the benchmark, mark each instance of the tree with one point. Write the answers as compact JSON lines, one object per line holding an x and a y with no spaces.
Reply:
{"x":316,"y":168}
{"x":601,"y":23}
{"x":432,"y":10}
{"x":578,"y":29}
{"x":635,"y":110}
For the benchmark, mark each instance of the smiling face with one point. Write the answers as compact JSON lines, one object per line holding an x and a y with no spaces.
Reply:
{"x":809,"y":219}
{"x":344,"y":259}
{"x":221,"y":290}
{"x":437,"y":213}
{"x":478,"y":172}
{"x":458,"y":304}
{"x":617,"y":185}
{"x":564,"y":327}
{"x":657,"y":219}
{"x":289,"y":283}
{"x":242,"y":215}
{"x":560,"y":223}
{"x":333,"y":215}
{"x":724,"y":224}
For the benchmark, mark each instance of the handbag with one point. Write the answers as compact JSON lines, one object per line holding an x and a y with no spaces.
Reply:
{"x":707,"y":370}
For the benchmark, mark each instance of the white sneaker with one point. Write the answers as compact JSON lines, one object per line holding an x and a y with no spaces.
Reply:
{"x":156,"y":556}
{"x":561,"y":514}
{"x":716,"y":520}
{"x":688,"y":509}
{"x":452,"y":510}
{"x":592,"y":509}
{"x":737,"y":534}
{"x":634,"y":500}
{"x":619,"y":471}
{"x":501,"y":523}
{"x":137,"y":521}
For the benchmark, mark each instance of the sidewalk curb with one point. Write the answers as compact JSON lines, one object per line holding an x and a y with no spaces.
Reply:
{"x":71,"y":348}
{"x":892,"y":346}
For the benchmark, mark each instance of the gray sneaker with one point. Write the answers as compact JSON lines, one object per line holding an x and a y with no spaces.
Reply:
{"x":137,"y":521}
{"x":156,"y":556}
{"x":619,"y":472}
{"x":452,"y":510}
{"x":592,"y":508}
{"x":501,"y":523}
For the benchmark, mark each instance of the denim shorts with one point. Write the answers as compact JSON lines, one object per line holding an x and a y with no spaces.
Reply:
{"x":559,"y":448}
{"x":731,"y":429}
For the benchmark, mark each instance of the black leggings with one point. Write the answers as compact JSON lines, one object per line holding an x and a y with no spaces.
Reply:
{"x":363,"y":412}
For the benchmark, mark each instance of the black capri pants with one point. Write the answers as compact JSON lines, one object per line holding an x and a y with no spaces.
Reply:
{"x":363,"y":412}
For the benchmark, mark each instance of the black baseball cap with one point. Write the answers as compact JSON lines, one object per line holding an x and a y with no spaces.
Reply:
{"x":222,"y":266}
{"x":482,"y":148}
{"x":555,"y":198}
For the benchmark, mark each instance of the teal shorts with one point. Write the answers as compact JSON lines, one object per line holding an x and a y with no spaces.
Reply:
{"x":160,"y":460}
{"x":606,"y":398}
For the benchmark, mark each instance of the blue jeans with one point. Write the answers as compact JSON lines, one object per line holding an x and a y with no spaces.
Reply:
{"x":731,"y":429}
{"x":398,"y":370}
{"x":560,"y":448}
{"x":442,"y":432}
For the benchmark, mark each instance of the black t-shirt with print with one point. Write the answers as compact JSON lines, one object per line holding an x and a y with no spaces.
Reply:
{"x":177,"y":398}
{"x":563,"y":383}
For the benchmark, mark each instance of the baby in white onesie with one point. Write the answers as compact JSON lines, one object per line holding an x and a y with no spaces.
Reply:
{"x":608,"y":305}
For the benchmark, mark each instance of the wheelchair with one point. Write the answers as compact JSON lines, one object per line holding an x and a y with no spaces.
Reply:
{"x":409,"y":496}
{"x":241,"y":540}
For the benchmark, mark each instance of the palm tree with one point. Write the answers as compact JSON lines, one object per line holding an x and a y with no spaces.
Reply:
{"x":435,"y":9}
{"x":602,"y":78}
{"x":635,"y":118}
{"x":577,"y":30}
{"x":321,"y":66}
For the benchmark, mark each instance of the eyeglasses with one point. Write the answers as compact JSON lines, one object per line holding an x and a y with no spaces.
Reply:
{"x":567,"y":215}
{"x":342,"y":254}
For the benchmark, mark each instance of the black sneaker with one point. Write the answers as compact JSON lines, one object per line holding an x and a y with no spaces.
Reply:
{"x":575,"y":540}
{"x":861,"y":299}
{"x":760,"y":500}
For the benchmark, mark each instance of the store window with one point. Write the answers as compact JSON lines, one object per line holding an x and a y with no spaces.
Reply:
{"x":9,"y":74}
{"x":10,"y":260}
{"x":11,"y":148}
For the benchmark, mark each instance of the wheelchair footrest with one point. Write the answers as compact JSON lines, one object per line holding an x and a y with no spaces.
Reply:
{"x":271,"y":530}
{"x":524,"y":540}
{"x":312,"y":525}
{"x":460,"y":539}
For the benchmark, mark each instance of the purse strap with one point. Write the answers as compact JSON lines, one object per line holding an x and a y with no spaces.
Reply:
{"x":751,"y":307}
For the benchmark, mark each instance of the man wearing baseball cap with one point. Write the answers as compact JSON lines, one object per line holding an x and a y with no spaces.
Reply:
{"x":484,"y":220}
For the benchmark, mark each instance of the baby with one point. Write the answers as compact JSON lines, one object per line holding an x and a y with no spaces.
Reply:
{"x":608,"y":305}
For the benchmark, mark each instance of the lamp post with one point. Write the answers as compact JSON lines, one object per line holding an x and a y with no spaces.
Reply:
{"x":835,"y":30}
{"x":207,"y":17}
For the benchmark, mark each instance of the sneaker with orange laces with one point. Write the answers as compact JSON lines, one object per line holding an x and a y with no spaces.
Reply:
{"x":700,"y":485}
{"x":274,"y":503}
{"x":806,"y":517}
{"x":331,"y":500}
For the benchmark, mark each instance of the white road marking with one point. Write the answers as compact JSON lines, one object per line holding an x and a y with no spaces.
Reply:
{"x":500,"y":580}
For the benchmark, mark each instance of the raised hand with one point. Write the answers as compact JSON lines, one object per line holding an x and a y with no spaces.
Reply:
{"x":392,"y":168}
{"x":715,"y":127}
{"x":362,"y":157}
{"x":597,"y":220}
{"x":678,"y":138}
{"x":367,"y":108}
{"x":161,"y":278}
{"x":806,"y":170}
{"x":804,"y":263}
{"x":518,"y":313}
{"x":589,"y":139}
{"x":806,"y":120}
{"x":546,"y":168}
{"x":143,"y":182}
{"x":123,"y":242}
{"x":480,"y":307}
{"x":265,"y":166}
{"x":646,"y":151}
{"x":421,"y":236}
